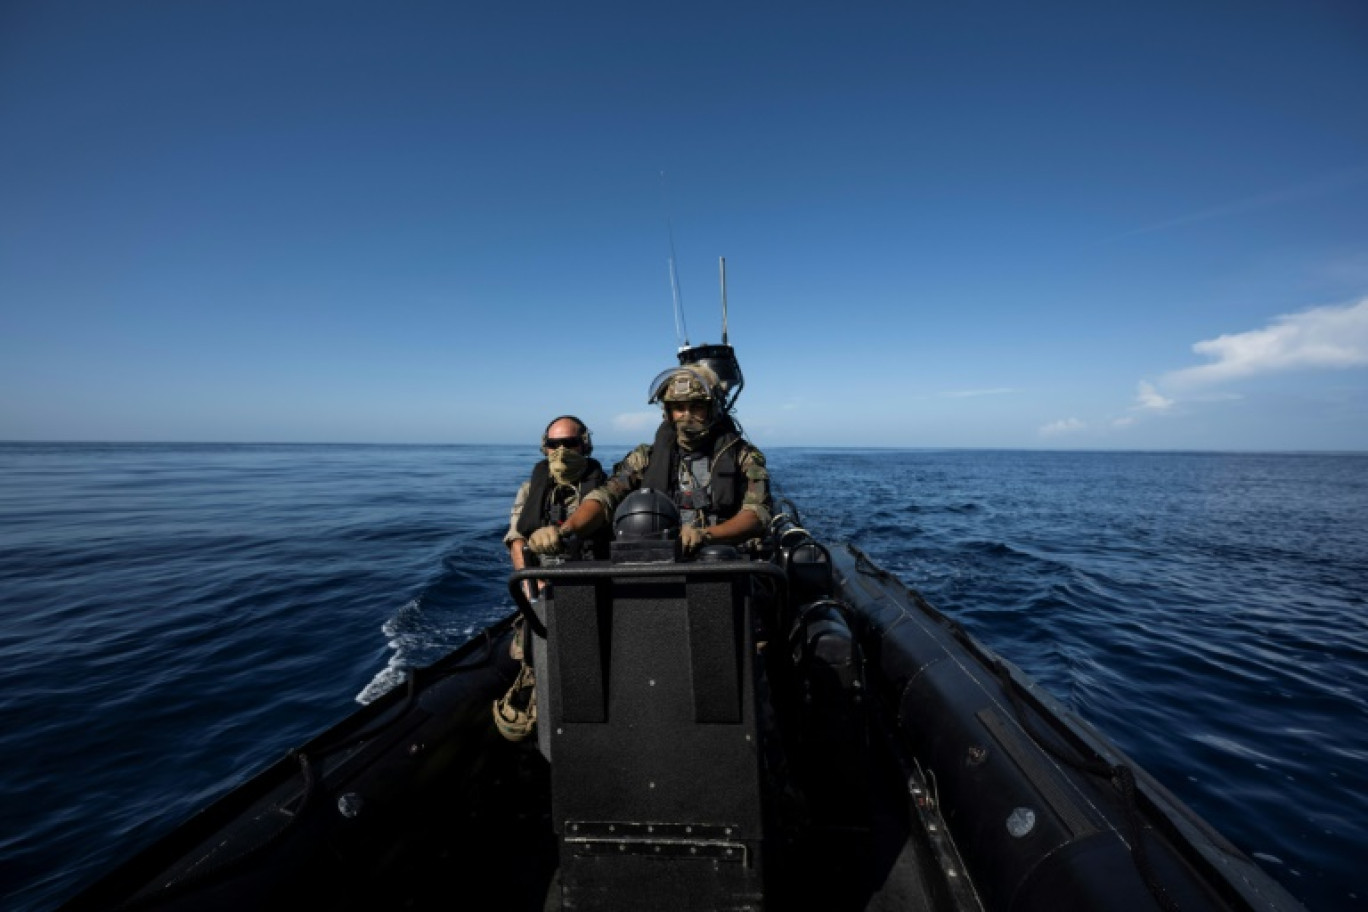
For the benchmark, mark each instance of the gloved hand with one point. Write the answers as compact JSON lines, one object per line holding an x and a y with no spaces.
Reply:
{"x":546,"y":540}
{"x":691,"y":538}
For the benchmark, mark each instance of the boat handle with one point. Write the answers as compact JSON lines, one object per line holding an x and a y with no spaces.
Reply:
{"x":632,"y":571}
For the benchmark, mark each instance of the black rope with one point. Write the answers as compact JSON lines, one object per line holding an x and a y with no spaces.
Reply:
{"x":1121,"y":776}
{"x":869,"y":568}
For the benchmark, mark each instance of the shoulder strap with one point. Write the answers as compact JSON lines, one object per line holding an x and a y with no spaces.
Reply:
{"x":530,"y":520}
{"x":728,"y":481}
{"x":660,"y":471}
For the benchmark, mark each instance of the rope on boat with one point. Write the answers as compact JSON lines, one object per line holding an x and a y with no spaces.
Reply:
{"x":1121,"y":776}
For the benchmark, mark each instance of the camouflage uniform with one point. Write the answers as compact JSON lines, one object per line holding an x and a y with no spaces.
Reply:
{"x":519,"y":500}
{"x":628,"y":474}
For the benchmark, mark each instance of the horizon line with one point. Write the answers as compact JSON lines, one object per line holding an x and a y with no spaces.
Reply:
{"x":852,"y":447}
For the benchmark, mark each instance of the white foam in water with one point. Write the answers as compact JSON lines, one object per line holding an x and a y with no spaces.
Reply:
{"x":392,"y":675}
{"x":388,"y":678}
{"x":415,"y":640}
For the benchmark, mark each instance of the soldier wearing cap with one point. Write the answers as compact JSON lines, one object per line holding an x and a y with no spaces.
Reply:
{"x":698,"y":458}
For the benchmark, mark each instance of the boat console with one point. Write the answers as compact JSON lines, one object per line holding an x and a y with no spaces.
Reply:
{"x":650,"y":711}
{"x":670,"y":779}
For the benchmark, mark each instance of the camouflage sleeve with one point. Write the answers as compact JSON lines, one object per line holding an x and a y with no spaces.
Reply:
{"x":626,"y":478}
{"x":757,"y":498}
{"x":518,"y":501}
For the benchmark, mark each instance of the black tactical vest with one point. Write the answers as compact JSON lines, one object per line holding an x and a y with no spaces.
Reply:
{"x":727,"y":485}
{"x":539,"y":510}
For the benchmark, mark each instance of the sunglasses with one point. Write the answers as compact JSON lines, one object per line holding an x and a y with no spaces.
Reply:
{"x":570,"y":443}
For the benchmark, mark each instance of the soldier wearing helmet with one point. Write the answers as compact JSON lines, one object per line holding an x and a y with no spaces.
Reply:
{"x":698,"y":458}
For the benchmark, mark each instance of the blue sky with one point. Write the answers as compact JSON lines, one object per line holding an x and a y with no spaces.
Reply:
{"x":1046,"y":225}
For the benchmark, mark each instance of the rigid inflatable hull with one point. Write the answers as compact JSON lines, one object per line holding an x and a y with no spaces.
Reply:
{"x":901,"y":765}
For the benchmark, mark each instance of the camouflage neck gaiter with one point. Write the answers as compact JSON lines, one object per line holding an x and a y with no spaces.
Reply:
{"x":691,"y":435}
{"x":567,"y":466}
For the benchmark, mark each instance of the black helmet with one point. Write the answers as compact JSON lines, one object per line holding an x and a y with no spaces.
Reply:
{"x":646,"y":514}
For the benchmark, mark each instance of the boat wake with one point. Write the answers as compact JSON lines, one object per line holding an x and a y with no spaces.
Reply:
{"x":405,"y":639}
{"x":419,"y":634}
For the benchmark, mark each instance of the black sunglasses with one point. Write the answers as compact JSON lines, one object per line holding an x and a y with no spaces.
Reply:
{"x":570,"y":443}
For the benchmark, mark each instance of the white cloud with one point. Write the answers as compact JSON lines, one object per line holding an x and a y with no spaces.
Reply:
{"x":1321,"y":338}
{"x":636,"y":421}
{"x":1149,"y":398}
{"x":1123,"y":422}
{"x":1063,"y":426}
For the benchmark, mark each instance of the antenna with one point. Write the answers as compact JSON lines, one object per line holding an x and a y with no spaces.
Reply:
{"x":681,"y":331}
{"x":721,"y":359}
{"x":722,"y":277}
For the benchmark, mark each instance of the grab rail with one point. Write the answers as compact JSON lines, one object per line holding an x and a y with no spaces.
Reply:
{"x":602,"y":570}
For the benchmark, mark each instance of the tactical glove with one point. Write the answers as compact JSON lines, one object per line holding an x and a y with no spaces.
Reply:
{"x":546,"y":540}
{"x":691,"y":537}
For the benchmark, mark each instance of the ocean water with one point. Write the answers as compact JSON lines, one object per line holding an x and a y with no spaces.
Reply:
{"x":174,"y":618}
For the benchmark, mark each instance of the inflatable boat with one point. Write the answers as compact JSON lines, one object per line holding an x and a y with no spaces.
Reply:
{"x":787,"y":727}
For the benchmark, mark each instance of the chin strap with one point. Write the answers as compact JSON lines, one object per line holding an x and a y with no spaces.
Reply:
{"x":691,"y":441}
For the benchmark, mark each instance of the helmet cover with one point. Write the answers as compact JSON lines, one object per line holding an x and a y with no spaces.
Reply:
{"x":691,"y":383}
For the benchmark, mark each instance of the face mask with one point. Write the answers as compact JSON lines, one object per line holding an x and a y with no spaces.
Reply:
{"x":567,"y":466}
{"x":690,"y":433}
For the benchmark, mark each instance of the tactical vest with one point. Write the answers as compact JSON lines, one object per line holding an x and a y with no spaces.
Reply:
{"x":539,"y":510}
{"x":727,"y":483}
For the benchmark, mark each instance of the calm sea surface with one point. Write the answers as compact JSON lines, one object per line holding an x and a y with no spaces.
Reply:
{"x":173,"y":618}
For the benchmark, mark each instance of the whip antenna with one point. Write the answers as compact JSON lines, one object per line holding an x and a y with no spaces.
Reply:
{"x":722,"y":277}
{"x":681,"y":332}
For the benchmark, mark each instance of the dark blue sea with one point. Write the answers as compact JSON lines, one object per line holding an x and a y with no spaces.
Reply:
{"x":174,"y":618}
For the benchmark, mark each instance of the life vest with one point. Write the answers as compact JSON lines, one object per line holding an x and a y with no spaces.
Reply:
{"x":726,"y":487}
{"x":539,"y":510}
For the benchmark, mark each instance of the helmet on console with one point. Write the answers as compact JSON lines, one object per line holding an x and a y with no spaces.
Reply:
{"x":646,"y":514}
